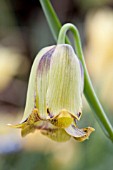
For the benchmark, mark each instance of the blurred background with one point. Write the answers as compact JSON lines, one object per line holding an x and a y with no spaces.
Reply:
{"x":23,"y":32}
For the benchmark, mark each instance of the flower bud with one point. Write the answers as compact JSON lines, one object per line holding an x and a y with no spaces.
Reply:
{"x":54,"y":97}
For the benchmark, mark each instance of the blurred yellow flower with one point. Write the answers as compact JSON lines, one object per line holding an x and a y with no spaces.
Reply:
{"x":10,"y":62}
{"x":99,"y":51}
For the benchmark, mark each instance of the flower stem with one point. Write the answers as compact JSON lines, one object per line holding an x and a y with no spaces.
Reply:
{"x":50,"y":14}
{"x":89,"y":92}
{"x":52,"y":19}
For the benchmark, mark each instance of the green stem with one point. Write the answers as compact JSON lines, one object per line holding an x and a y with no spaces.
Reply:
{"x":50,"y":14}
{"x":52,"y":19}
{"x":89,"y":92}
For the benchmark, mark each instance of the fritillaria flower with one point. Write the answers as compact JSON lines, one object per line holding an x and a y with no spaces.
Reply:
{"x":54,"y":97}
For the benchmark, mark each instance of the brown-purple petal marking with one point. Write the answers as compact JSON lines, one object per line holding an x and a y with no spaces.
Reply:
{"x":44,"y":63}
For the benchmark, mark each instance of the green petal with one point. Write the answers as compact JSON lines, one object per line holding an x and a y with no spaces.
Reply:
{"x":30,"y":124}
{"x":30,"y":127}
{"x":42,"y":82}
{"x":63,"y":120}
{"x":79,"y":134}
{"x":64,"y":89}
{"x":32,"y":98}
{"x":27,"y":129}
{"x":58,"y":134}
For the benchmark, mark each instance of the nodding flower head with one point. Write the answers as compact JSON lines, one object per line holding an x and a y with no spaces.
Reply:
{"x":54,"y":97}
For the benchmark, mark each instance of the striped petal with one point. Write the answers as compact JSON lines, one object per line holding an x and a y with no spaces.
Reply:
{"x":32,"y":97}
{"x":64,"y":89}
{"x":42,"y":82}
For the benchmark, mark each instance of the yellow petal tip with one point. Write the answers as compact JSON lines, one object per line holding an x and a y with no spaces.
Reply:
{"x":16,"y":126}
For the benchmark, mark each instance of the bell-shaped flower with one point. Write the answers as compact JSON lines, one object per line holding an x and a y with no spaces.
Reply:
{"x":54,"y":97}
